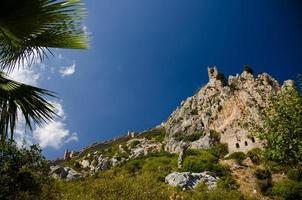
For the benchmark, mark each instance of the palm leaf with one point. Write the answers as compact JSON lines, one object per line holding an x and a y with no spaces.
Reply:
{"x":29,"y":100}
{"x":30,"y":26}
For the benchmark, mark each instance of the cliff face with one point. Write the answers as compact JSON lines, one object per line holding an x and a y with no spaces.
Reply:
{"x":222,"y":105}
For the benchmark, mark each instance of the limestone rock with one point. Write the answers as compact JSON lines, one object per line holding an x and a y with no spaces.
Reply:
{"x":188,"y":180}
{"x":84,"y":163}
{"x":223,"y":106}
{"x":103,"y":164}
{"x":64,"y":172}
{"x":71,"y":174}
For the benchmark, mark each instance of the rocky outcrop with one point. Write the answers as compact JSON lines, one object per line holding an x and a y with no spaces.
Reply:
{"x":143,"y":147}
{"x":188,"y":180}
{"x":223,"y":105}
{"x":64,"y":173}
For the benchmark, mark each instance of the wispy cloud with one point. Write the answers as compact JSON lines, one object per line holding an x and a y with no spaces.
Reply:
{"x":67,"y":71}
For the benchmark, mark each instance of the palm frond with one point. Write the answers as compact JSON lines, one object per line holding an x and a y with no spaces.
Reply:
{"x":29,"y":100}
{"x":30,"y":26}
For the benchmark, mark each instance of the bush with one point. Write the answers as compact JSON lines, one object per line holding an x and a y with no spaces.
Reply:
{"x":159,"y":167}
{"x":248,"y":69}
{"x":273,"y":166}
{"x":179,"y":136}
{"x":201,"y":161}
{"x":238,"y":156}
{"x":288,"y":190}
{"x":23,"y":172}
{"x":295,"y":174}
{"x":134,"y":143}
{"x":193,"y":137}
{"x":215,"y":136}
{"x":220,"y":150}
{"x":156,"y":134}
{"x":281,"y":128}
{"x":227,"y":182}
{"x":188,"y":137}
{"x":264,"y":180}
{"x":255,"y":155}
{"x":133,"y":166}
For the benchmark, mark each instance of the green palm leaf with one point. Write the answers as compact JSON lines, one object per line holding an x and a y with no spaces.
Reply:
{"x":29,"y":100}
{"x":30,"y":26}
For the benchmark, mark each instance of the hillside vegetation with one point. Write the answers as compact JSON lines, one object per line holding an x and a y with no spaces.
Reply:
{"x":159,"y":164}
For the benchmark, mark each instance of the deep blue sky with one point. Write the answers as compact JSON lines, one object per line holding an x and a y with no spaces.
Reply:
{"x":148,"y":55}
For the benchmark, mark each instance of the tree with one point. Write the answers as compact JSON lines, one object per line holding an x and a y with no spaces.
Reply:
{"x":282,"y":127}
{"x":23,"y":172}
{"x":33,"y":26}
{"x":28,"y":99}
{"x":29,"y":28}
{"x":248,"y":69}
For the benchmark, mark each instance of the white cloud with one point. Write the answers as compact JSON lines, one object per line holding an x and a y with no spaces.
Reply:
{"x":53,"y":134}
{"x":67,"y":71}
{"x":26,"y":75}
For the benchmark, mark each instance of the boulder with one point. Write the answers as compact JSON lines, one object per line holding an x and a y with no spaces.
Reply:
{"x":188,"y":180}
{"x":71,"y":174}
{"x":64,"y":172}
{"x":84,"y":163}
{"x":103,"y":164}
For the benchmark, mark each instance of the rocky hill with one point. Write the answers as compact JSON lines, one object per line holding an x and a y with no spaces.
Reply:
{"x":224,"y":106}
{"x":193,"y":145}
{"x":219,"y":112}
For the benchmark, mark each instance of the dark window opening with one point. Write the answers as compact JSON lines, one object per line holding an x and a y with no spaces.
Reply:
{"x":253,"y":139}
{"x":245,"y":143}
{"x":237,"y":145}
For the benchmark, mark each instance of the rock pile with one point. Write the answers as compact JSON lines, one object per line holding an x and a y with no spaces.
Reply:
{"x":64,"y":173}
{"x":188,"y":180}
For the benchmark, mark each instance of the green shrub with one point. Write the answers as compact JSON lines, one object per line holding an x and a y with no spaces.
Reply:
{"x":288,"y":190}
{"x":215,"y":136}
{"x":134,"y":143}
{"x":281,"y":127}
{"x":255,"y":155}
{"x":194,"y":112}
{"x":295,"y":174}
{"x":179,"y":136}
{"x":201,"y":161}
{"x":273,"y":166}
{"x":133,"y":166}
{"x":248,"y":69}
{"x":23,"y":172}
{"x":264,"y":180}
{"x":188,"y":137}
{"x":156,"y":134}
{"x":263,"y":174}
{"x":227,"y":182}
{"x":193,"y":152}
{"x":220,"y":150}
{"x":238,"y":156}
{"x":193,"y":137}
{"x":159,"y":167}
